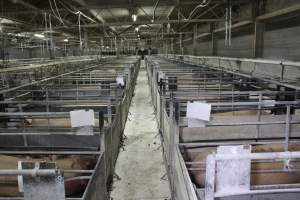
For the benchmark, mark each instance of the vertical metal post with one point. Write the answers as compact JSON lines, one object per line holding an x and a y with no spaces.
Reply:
{"x":210,"y":177}
{"x":47,"y":107}
{"x":230,"y":26}
{"x":282,"y":72}
{"x":287,"y":127}
{"x":258,"y":117}
{"x":180,"y":44}
{"x":195,"y":33}
{"x":109,"y":111}
{"x":226,"y":26}
{"x":258,"y":8}
{"x":172,"y":145}
{"x":77,"y":87}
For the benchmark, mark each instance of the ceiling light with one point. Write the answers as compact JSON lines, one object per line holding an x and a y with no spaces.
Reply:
{"x":39,"y":35}
{"x":137,"y":29}
{"x":66,"y":40}
{"x":134,"y":17}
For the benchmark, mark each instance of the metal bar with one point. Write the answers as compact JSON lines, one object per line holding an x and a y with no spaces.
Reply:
{"x":287,"y":128}
{"x":248,"y":123}
{"x":252,"y":192}
{"x":28,"y":172}
{"x":260,"y":156}
{"x":51,"y":152}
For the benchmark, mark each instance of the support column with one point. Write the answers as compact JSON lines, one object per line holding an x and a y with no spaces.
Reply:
{"x":259,"y":29}
{"x":172,"y":45}
{"x":85,"y":42}
{"x":117,"y":47}
{"x":195,"y":34}
{"x":86,"y":39}
{"x":167,"y":47}
{"x":258,"y":8}
{"x":180,"y":44}
{"x":214,"y":40}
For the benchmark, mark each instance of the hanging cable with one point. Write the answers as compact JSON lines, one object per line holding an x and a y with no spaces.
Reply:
{"x":226,"y":26}
{"x":61,"y":21}
{"x":50,"y":30}
{"x":202,"y":5}
{"x":58,"y":13}
{"x":66,"y":7}
{"x":230,"y":25}
{"x":84,"y":15}
{"x":79,"y":29}
{"x":52,"y":8}
{"x":46,"y":29}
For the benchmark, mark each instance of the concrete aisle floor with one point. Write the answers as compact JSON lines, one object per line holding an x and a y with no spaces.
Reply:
{"x":141,"y":165}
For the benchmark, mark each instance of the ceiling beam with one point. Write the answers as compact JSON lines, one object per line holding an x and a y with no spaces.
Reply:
{"x":35,"y":9}
{"x":200,"y":15}
{"x":284,"y":11}
{"x":99,"y":7}
{"x":94,"y":13}
{"x":145,"y":22}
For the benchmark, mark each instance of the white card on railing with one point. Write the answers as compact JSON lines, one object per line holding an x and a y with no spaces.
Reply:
{"x":269,"y":103}
{"x":120,"y":80}
{"x":20,"y":178}
{"x":81,"y":118}
{"x":198,"y":110}
{"x":161,"y":75}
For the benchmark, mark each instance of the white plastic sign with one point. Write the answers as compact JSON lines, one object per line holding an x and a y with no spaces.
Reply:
{"x":269,"y":103}
{"x":81,"y":118}
{"x":120,"y":80}
{"x":161,"y":75}
{"x":198,"y":110}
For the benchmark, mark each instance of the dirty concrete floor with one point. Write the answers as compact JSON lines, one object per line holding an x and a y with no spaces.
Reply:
{"x":140,"y":166}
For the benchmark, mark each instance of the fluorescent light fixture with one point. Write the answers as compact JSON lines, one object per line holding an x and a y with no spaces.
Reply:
{"x":39,"y":35}
{"x":66,"y":40}
{"x":134,"y":17}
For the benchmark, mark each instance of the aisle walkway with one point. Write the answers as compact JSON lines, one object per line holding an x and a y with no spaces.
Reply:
{"x":140,"y":167}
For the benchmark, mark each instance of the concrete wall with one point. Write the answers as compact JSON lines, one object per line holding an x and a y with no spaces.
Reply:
{"x":18,"y":53}
{"x":281,"y":37}
{"x":282,"y":41}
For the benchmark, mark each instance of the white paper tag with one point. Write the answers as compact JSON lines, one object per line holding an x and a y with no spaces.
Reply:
{"x":120,"y":80}
{"x":20,"y":178}
{"x":198,"y":110}
{"x":81,"y":118}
